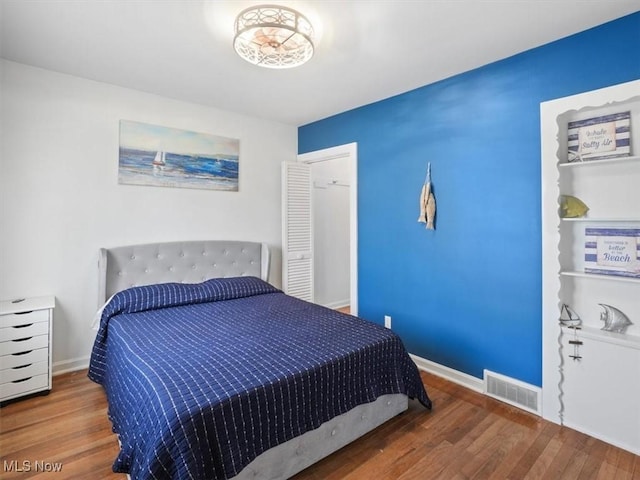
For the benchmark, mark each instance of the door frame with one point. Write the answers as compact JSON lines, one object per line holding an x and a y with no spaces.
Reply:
{"x":348,"y":151}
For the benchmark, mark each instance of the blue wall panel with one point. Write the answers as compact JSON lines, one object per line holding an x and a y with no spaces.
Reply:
{"x":467,"y":295}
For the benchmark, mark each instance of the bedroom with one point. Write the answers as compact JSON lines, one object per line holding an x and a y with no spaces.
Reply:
{"x":61,"y":201}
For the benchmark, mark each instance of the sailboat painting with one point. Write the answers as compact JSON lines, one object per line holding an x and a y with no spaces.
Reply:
{"x":159,"y":161}
{"x":169,"y":157}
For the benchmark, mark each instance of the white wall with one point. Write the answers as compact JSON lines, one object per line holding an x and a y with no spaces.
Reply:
{"x":331,"y":272}
{"x":60,"y":199}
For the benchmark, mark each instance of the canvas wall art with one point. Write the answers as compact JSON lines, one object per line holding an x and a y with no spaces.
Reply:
{"x":170,"y":157}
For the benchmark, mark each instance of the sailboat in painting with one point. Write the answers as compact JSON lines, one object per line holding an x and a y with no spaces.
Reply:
{"x":159,"y":161}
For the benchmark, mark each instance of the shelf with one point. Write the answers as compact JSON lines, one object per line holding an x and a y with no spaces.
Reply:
{"x":601,"y":220}
{"x":607,"y":161}
{"x":600,"y":277}
{"x":609,"y":187}
{"x":623,"y":339}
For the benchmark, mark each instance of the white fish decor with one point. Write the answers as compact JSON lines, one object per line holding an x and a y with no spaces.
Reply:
{"x":427,"y":203}
{"x":614,"y":320}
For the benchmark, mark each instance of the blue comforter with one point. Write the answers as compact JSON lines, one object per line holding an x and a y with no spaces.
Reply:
{"x":202,"y":378}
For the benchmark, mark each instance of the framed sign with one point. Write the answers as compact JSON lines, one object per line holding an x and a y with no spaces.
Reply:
{"x":600,"y":137}
{"x":612,"y":251}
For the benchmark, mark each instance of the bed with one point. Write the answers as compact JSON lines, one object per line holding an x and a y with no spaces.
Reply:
{"x":212,"y":373}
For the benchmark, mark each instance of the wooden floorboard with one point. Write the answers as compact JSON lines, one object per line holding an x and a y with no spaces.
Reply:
{"x":466,"y":436}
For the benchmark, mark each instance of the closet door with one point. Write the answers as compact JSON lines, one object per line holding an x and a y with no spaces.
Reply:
{"x":297,"y":231}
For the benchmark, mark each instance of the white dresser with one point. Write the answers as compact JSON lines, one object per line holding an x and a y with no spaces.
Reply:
{"x":25,"y":346}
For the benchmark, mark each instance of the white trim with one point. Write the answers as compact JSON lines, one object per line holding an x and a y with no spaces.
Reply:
{"x":337,"y":304}
{"x":464,"y":379}
{"x":71,"y":365}
{"x":613,"y":441}
{"x":350,"y":152}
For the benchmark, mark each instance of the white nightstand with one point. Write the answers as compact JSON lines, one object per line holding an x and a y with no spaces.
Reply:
{"x":25,"y":346}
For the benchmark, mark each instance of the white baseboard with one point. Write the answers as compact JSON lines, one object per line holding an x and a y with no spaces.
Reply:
{"x":464,"y":379}
{"x":613,"y":441}
{"x":337,"y":304}
{"x":71,"y":365}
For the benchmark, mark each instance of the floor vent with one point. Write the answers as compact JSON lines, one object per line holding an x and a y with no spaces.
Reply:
{"x":513,"y":392}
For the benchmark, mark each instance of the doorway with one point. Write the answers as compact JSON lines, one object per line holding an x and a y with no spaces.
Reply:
{"x":334,"y":176}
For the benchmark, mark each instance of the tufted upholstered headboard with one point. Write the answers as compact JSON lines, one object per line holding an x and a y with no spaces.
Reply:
{"x":184,"y":262}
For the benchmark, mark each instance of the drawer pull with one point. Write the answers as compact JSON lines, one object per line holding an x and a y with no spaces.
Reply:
{"x":22,"y":380}
{"x":23,"y":313}
{"x":22,"y":326}
{"x":21,"y":353}
{"x":22,"y":366}
{"x":22,"y":339}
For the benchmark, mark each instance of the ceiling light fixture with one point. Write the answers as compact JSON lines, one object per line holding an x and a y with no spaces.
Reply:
{"x":274,"y":37}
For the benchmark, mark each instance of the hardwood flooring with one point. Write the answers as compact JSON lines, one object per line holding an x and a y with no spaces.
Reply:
{"x":467,"y":435}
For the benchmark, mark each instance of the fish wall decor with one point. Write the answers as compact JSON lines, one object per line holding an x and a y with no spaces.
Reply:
{"x":614,"y":320}
{"x":572,"y":207}
{"x":427,"y":202}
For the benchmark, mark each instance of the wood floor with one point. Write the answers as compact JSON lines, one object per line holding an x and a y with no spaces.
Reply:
{"x":467,"y":435}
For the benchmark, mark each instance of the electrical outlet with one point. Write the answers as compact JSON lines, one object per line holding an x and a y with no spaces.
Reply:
{"x":387,"y":321}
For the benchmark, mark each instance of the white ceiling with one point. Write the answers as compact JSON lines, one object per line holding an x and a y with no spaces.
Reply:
{"x":367,"y":50}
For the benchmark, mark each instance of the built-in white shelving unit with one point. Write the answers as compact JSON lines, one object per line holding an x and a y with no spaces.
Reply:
{"x":591,"y":377}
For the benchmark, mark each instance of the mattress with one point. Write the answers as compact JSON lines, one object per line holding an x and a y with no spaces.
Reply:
{"x":203,"y":378}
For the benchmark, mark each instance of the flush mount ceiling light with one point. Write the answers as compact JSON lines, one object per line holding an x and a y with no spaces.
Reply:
{"x":274,"y":37}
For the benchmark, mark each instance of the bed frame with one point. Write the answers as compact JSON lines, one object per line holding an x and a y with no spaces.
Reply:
{"x":196,"y":261}
{"x":183,"y":262}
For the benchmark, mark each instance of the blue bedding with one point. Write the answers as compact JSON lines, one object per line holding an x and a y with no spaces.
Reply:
{"x":202,"y":378}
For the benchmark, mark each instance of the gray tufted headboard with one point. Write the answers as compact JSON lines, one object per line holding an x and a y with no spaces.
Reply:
{"x":184,"y":262}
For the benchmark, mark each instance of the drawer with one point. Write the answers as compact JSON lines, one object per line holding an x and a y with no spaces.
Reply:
{"x":21,"y":373}
{"x":13,"y":319}
{"x":24,"y":358}
{"x":22,"y":387}
{"x":24,"y":345}
{"x":24,"y":331}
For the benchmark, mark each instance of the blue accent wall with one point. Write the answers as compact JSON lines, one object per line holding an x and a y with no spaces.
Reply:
{"x":467,"y":295}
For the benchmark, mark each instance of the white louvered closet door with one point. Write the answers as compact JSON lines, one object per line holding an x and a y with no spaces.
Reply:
{"x":297,"y":232}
